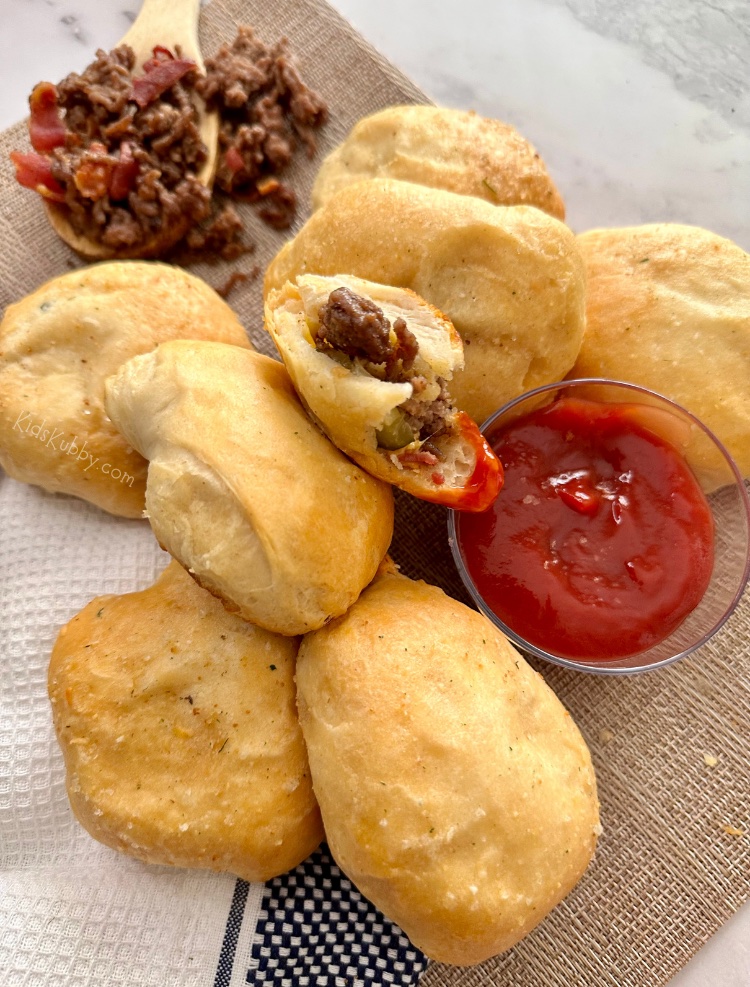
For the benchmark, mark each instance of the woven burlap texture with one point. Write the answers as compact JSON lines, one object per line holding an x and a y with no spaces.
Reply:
{"x":666,"y":873}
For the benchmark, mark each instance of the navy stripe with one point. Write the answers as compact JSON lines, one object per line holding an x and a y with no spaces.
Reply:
{"x":231,"y":934}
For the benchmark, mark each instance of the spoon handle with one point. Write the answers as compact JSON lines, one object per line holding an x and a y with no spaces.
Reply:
{"x":168,"y":23}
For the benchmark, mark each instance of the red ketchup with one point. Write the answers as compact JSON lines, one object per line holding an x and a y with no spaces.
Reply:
{"x":600,"y":543}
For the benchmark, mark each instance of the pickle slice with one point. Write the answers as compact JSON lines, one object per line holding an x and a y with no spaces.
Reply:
{"x":395,"y":433}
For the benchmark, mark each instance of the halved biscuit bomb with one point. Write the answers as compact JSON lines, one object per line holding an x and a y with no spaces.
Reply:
{"x":371,"y":364}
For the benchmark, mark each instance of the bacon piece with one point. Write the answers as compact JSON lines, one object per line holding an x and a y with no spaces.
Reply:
{"x":159,"y":74}
{"x":93,"y":175}
{"x":160,"y":54}
{"x":124,"y":174}
{"x":418,"y":456}
{"x":233,"y":160}
{"x":34,"y":171}
{"x":46,"y":129}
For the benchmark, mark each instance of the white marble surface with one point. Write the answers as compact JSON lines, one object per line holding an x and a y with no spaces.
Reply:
{"x":640,"y":109}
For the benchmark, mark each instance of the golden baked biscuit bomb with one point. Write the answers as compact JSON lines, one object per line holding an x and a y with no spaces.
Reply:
{"x":455,"y":150}
{"x":244,"y":490}
{"x":668,"y":307}
{"x":509,"y":278}
{"x":57,"y":347}
{"x":178,"y":727}
{"x":372,"y":365}
{"x":456,"y":791}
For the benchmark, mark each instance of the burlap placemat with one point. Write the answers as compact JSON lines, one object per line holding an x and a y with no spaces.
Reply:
{"x":667,"y":873}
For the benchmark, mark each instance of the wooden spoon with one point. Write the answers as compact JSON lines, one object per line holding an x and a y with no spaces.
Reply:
{"x":168,"y":23}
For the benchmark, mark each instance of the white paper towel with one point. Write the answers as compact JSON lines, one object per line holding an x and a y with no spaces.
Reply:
{"x":74,"y":913}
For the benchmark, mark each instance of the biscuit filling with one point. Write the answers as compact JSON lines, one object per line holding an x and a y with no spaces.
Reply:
{"x":126,"y":158}
{"x":354,"y":329}
{"x":267,"y":112}
{"x":121,"y":150}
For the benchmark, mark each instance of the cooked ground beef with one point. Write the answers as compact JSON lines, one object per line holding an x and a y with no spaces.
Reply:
{"x":238,"y":277}
{"x":266,"y":111}
{"x":278,"y":206}
{"x":221,"y":236}
{"x":357,"y":327}
{"x":428,"y":419}
{"x":125,"y":155}
{"x":129,"y":172}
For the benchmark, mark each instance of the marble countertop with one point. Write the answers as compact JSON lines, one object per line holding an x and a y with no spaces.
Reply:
{"x":640,"y":110}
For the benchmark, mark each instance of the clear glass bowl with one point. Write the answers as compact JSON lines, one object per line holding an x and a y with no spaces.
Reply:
{"x":720,"y":480}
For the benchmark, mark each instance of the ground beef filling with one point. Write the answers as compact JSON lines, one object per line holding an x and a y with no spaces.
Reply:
{"x":129,"y":172}
{"x":428,"y":419}
{"x":123,"y":151}
{"x":356,"y":327}
{"x":266,"y":111}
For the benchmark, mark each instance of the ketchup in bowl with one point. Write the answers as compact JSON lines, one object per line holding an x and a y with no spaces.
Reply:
{"x":601,"y":541}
